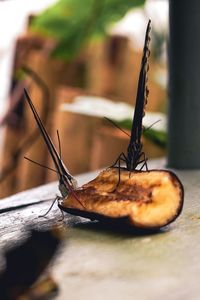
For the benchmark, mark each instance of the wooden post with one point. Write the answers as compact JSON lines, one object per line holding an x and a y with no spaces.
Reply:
{"x":184,"y":85}
{"x":31,"y":175}
{"x":76,"y":133}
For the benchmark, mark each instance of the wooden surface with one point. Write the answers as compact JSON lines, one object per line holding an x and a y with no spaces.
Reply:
{"x":98,"y":262}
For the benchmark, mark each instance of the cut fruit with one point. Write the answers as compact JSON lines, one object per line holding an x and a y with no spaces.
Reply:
{"x":146,"y":199}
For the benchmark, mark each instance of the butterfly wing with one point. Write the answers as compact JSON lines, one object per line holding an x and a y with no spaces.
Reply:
{"x":141,"y":100}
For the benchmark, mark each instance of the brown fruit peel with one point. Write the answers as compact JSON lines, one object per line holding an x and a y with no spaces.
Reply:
{"x":144,"y":199}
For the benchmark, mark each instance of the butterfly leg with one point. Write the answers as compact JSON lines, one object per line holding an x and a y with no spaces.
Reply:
{"x":62,"y":213}
{"x":121,"y":158}
{"x":50,"y":208}
{"x":144,"y":161}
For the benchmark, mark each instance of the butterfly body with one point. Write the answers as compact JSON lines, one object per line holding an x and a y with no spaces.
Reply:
{"x":67,"y":183}
{"x":135,"y":156}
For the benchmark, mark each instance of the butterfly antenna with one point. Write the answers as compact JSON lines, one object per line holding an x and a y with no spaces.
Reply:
{"x":146,"y":129}
{"x":117,"y":126}
{"x":37,"y":163}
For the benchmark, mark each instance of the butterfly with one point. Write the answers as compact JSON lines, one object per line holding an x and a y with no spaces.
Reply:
{"x":125,"y":193}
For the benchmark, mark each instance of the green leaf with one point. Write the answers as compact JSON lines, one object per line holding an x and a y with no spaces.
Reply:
{"x":73,"y":22}
{"x":159,"y":138}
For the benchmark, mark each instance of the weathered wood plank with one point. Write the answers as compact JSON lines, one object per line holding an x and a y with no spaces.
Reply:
{"x":23,"y":210}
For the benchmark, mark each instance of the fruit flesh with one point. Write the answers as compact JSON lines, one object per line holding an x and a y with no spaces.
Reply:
{"x":150,"y":199}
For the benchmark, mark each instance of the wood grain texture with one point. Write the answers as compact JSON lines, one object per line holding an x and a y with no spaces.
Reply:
{"x":100,"y":262}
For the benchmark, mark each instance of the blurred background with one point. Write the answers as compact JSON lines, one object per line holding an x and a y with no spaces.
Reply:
{"x":80,"y":62}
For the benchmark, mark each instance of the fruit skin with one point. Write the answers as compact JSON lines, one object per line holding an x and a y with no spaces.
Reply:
{"x":71,"y":206}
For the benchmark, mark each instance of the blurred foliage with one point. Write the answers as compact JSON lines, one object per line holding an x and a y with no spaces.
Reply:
{"x":158,"y":39}
{"x":73,"y":22}
{"x":157,"y":137}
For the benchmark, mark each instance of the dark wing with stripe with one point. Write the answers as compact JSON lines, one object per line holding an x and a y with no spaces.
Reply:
{"x":142,"y":92}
